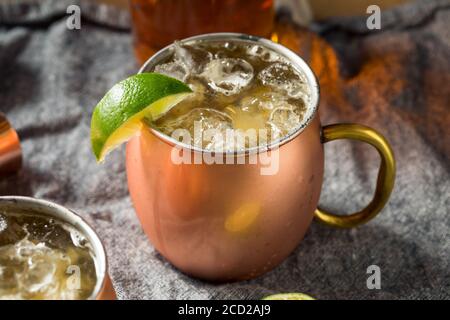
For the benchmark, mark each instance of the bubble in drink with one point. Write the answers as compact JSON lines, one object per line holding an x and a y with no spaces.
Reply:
{"x":238,"y":87}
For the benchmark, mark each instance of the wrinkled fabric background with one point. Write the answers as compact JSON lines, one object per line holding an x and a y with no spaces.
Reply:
{"x":395,"y":80}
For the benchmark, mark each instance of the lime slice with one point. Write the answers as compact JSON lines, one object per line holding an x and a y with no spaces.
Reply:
{"x":118,"y":116}
{"x":289,"y":296}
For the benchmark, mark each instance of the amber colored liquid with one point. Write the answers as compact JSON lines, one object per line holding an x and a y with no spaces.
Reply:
{"x":240,"y":88}
{"x":157,"y":23}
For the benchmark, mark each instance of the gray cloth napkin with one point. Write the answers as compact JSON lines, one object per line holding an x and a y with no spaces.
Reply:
{"x":395,"y":80}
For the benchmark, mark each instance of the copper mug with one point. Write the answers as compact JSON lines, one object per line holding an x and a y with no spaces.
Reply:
{"x":223,"y":222}
{"x":103,"y":289}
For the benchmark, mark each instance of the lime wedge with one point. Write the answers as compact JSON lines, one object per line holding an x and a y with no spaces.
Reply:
{"x":289,"y":296}
{"x":118,"y":116}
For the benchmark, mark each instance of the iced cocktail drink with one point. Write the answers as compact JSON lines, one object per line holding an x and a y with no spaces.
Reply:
{"x":225,"y":153}
{"x":232,"y":220}
{"x":241,"y":90}
{"x":43,"y":258}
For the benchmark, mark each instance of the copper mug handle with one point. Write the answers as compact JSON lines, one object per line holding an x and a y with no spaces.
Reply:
{"x":386,"y":174}
{"x":10,"y":150}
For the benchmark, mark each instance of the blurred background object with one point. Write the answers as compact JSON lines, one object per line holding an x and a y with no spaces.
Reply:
{"x":156,"y":24}
{"x":118,"y":3}
{"x":112,"y":13}
{"x":323,"y":9}
{"x":10,"y":150}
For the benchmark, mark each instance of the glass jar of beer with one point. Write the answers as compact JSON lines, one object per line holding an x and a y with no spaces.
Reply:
{"x":157,"y":23}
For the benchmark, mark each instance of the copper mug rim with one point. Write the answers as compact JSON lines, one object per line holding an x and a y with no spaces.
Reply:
{"x":48,"y":208}
{"x":297,"y":62}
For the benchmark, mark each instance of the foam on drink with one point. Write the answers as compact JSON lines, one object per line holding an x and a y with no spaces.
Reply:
{"x":237,"y":87}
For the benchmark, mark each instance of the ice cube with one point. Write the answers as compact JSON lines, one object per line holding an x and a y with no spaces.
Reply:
{"x":10,"y":232}
{"x":173,"y":69}
{"x":199,"y":91}
{"x":264,"y":100}
{"x":246,"y":116}
{"x":262,"y":53}
{"x":33,"y":271}
{"x":41,"y":268}
{"x":214,"y":121}
{"x":204,"y":117}
{"x":209,"y":118}
{"x":3,"y":223}
{"x":283,"y":77}
{"x":284,"y":119}
{"x":228,"y":75}
{"x":193,"y":59}
{"x":8,"y":280}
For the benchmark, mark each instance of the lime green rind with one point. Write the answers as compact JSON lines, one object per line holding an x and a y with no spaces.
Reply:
{"x":130,"y":99}
{"x":289,"y":296}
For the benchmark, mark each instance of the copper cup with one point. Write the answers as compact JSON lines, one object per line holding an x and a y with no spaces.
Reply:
{"x":103,"y":289}
{"x":10,"y":150}
{"x":225,"y":222}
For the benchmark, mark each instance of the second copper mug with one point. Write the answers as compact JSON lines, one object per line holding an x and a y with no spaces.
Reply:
{"x":225,"y":222}
{"x":103,"y":289}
